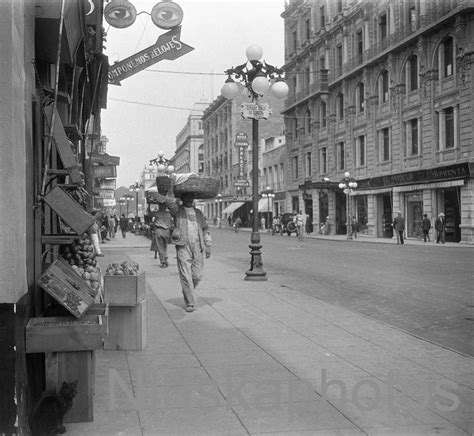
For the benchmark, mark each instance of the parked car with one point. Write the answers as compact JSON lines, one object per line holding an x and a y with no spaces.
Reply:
{"x":287,"y":226}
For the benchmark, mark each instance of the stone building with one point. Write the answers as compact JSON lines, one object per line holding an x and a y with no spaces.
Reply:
{"x":383,"y":90}
{"x":232,"y":165}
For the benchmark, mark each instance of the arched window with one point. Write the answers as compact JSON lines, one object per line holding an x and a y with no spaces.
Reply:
{"x":410,"y":73}
{"x":360,"y":98}
{"x":446,"y":57}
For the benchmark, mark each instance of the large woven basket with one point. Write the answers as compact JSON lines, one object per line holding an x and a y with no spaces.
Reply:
{"x":199,"y":186}
{"x":163,"y":184}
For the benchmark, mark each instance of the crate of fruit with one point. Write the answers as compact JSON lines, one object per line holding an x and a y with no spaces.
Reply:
{"x":124,"y":284}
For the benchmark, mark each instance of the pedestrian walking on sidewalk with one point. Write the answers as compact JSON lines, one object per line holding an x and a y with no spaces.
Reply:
{"x":299,"y":221}
{"x":123,"y":225}
{"x":192,"y":239}
{"x":162,"y":226}
{"x":354,"y":227}
{"x":440,"y":226}
{"x":425,"y":227}
{"x":93,"y":231}
{"x":237,"y":224}
{"x":399,"y":227}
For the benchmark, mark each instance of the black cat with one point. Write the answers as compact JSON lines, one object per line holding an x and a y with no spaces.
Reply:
{"x":47,"y":416}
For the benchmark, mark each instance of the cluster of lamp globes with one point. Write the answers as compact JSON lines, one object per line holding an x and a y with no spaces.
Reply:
{"x":161,"y":165}
{"x":260,"y":84}
{"x":349,"y":184}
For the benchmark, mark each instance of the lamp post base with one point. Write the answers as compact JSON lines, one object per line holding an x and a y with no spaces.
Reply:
{"x":256,"y":272}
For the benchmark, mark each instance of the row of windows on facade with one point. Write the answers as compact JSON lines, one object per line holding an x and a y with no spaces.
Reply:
{"x":446,"y":128}
{"x":381,"y":30}
{"x":445,"y":61}
{"x":412,"y":84}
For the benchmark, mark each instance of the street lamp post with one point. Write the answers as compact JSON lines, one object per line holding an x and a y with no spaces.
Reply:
{"x":122,"y":202}
{"x":256,"y":76}
{"x":268,"y":193}
{"x":128,"y":197}
{"x":218,"y":205}
{"x":136,"y":188}
{"x":348,"y":184}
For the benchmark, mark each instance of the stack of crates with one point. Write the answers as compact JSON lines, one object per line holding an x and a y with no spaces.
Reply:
{"x":125,"y":295}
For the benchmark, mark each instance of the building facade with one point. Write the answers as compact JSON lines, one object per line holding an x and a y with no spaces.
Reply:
{"x":189,"y":154}
{"x":383,"y":90}
{"x":232,"y":165}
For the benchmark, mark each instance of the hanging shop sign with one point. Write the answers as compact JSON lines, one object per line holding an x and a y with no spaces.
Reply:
{"x":105,"y":159}
{"x":108,"y":184}
{"x":257,"y":111}
{"x":167,"y":47}
{"x":104,"y":202}
{"x":107,"y":193}
{"x":104,"y":171}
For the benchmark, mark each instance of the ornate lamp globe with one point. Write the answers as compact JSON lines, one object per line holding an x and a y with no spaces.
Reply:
{"x":260,"y":84}
{"x":161,"y":168}
{"x":341,"y":185}
{"x":347,"y":174}
{"x":169,"y":169}
{"x":254,"y":53}
{"x":280,"y":89}
{"x":230,"y":89}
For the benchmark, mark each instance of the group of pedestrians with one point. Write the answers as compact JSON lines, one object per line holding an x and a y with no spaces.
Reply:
{"x":440,"y":227}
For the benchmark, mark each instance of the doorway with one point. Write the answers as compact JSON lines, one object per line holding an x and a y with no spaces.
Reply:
{"x":308,"y":210}
{"x":387,"y":230}
{"x":414,"y":214}
{"x":341,"y":213}
{"x":453,"y":215}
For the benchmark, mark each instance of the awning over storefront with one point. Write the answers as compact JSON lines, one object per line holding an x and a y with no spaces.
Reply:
{"x":264,"y":205}
{"x":233,"y":207}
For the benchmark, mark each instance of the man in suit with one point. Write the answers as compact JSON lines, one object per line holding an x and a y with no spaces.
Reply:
{"x":399,"y":227}
{"x":440,"y":226}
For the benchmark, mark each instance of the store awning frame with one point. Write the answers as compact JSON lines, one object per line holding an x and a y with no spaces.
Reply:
{"x":265,"y":205}
{"x":232,"y":207}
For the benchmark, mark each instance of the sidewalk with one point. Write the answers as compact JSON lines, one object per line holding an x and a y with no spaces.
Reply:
{"x":256,"y":358}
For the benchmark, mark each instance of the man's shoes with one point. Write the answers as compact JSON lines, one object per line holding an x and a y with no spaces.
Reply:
{"x":190,"y":308}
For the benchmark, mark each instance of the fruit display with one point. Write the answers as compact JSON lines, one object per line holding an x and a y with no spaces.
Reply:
{"x":81,"y":256}
{"x":122,"y":269}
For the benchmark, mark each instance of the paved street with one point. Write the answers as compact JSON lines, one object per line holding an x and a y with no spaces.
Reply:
{"x":295,"y":355}
{"x":424,"y":289}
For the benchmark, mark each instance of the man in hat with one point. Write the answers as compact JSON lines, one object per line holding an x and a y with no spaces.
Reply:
{"x":440,"y":226}
{"x":192,"y":239}
{"x":399,"y":227}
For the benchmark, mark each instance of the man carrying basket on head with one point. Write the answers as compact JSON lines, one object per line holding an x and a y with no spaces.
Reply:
{"x":192,"y":239}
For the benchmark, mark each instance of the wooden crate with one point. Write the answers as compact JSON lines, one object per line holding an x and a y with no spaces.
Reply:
{"x":127,"y":327}
{"x":71,"y":366}
{"x":64,"y":333}
{"x":69,"y":210}
{"x":124,"y":290}
{"x":67,"y":288}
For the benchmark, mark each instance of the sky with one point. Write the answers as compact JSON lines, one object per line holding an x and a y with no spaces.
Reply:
{"x":145,"y":114}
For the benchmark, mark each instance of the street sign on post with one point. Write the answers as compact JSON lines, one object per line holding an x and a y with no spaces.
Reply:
{"x":257,"y":111}
{"x":241,"y":140}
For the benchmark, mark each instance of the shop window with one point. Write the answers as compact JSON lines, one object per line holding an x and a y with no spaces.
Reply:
{"x":360,"y":151}
{"x":384,"y":144}
{"x":414,"y":214}
{"x":361,"y":213}
{"x":324,"y":161}
{"x":340,"y":156}
{"x":449,"y":123}
{"x":448,"y":57}
{"x":322,"y":17}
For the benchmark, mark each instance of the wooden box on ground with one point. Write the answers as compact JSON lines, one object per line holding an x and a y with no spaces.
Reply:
{"x":124,"y":290}
{"x":68,"y":367}
{"x":127,"y":327}
{"x":65,"y":333}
